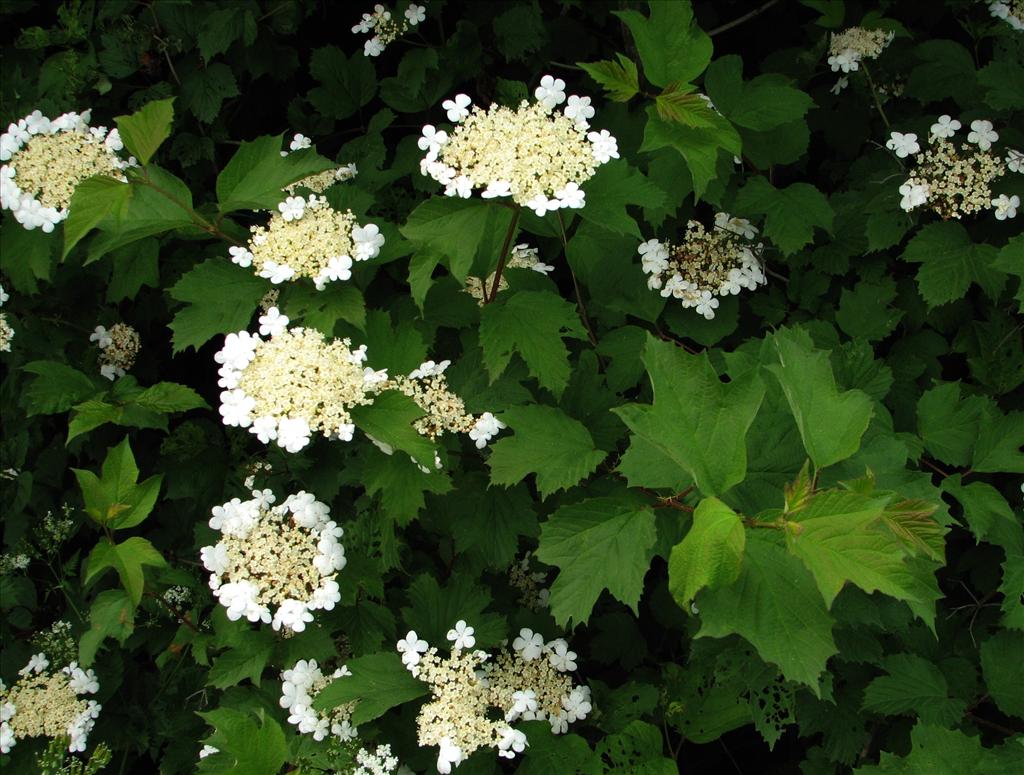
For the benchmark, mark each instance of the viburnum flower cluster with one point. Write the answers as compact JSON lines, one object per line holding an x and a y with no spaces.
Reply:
{"x":848,"y":48}
{"x":469,"y":688}
{"x":6,"y":332}
{"x":706,"y":264}
{"x":386,"y":28}
{"x":275,"y":564}
{"x":380,"y":761}
{"x":955,"y":179}
{"x":293,"y":384}
{"x":119,"y":346}
{"x":299,"y":687}
{"x":46,"y":160}
{"x":521,"y":257}
{"x":48,"y":703}
{"x":534,"y":154}
{"x":308,"y":238}
{"x":318,"y":182}
{"x":1010,"y":11}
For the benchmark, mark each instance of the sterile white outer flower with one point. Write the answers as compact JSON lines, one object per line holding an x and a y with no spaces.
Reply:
{"x":299,"y":142}
{"x":1014,"y":160}
{"x":603,"y":146}
{"x":497,"y":188}
{"x":292,"y":433}
{"x":461,"y":635}
{"x":4,"y":295}
{"x":914,"y":194}
{"x":368,"y":241}
{"x":432,"y":140}
{"x":736,"y":225}
{"x":273,"y":322}
{"x":559,"y":723}
{"x":841,"y":83}
{"x":457,"y":107}
{"x":511,"y":742}
{"x":215,"y":559}
{"x":238,"y":350}
{"x":579,"y":110}
{"x":541,"y":205}
{"x":572,"y":196}
{"x":945,"y":127}
{"x":561,"y":657}
{"x":292,"y":208}
{"x":577,"y":704}
{"x":486,"y":427}
{"x":239,"y":598}
{"x":523,"y":702}
{"x":982,"y":134}
{"x":236,"y":408}
{"x":37,"y":663}
{"x":207,"y":750}
{"x":276,"y":273}
{"x":429,"y":369}
{"x":448,"y":754}
{"x":241,"y":256}
{"x":1006,"y":206}
{"x":903,"y":145}
{"x":848,"y":61}
{"x":293,"y":614}
{"x":460,"y":186}
{"x":373,"y":47}
{"x":415,"y":14}
{"x":101,"y":337}
{"x":81,"y":681}
{"x":707,"y":304}
{"x":551,"y":91}
{"x":410,"y":647}
{"x":529,"y":644}
{"x":653,"y":256}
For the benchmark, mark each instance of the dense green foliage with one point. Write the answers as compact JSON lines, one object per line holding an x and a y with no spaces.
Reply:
{"x":785,"y":539}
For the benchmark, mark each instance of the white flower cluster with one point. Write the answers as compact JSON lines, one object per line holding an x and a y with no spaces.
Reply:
{"x":534,"y":154}
{"x":521,"y":257}
{"x":378,"y":762}
{"x":848,"y":48}
{"x":531,"y":683}
{"x":293,"y":384}
{"x":46,"y":160}
{"x":284,"y":556}
{"x":318,"y":182}
{"x":300,"y":686}
{"x":1010,"y":11}
{"x":6,"y":332}
{"x":49,"y":703}
{"x":955,"y":180}
{"x":308,"y":238}
{"x":385,"y":28}
{"x":119,"y":347}
{"x":706,"y":264}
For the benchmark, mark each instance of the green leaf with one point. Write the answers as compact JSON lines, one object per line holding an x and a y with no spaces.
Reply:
{"x":831,"y":422}
{"x":134,"y":266}
{"x":323,"y":309}
{"x":112,"y":616}
{"x":489,"y":527}
{"x":950,"y":262}
{"x":254,"y":177}
{"x":520,"y":30}
{"x":115,"y":500}
{"x":221,"y":299}
{"x":168,"y":397}
{"x":433,"y":609}
{"x":637,"y":750}
{"x":947,"y":425}
{"x":531,"y":323}
{"x":611,"y":189}
{"x":791,"y":213}
{"x":467,"y":232}
{"x":401,"y":484}
{"x":987,"y":514}
{"x":246,"y":660}
{"x":346,"y":84}
{"x":94,"y":200}
{"x":203,"y":91}
{"x":697,"y":420}
{"x":580,"y":540}
{"x":91,"y":414}
{"x":711,"y":553}
{"x":775,"y":605}
{"x":378,"y":681}
{"x":26,"y":256}
{"x":548,"y":442}
{"x":1003,"y":669}
{"x":913,"y":686}
{"x":254,"y":750}
{"x":999,"y":443}
{"x":145,"y":130}
{"x":841,"y":537}
{"x":766,"y":102}
{"x":127,"y":558}
{"x":56,"y":388}
{"x":389,"y":419}
{"x":865,"y":311}
{"x":680,"y":103}
{"x":220,"y":28}
{"x":672,"y":47}
{"x":620,"y":79}
{"x":1011,"y":261}
{"x":699,"y":146}
{"x":946,"y":70}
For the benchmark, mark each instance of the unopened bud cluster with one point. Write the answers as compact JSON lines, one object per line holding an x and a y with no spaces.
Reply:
{"x":318,"y":182}
{"x":538,"y":156}
{"x":475,"y":698}
{"x":953,"y":178}
{"x":275,"y":564}
{"x":48,"y":703}
{"x":707,"y":263}
{"x":119,"y":347}
{"x":299,"y":687}
{"x":386,"y":28}
{"x":308,"y":238}
{"x":530,"y":584}
{"x":46,"y":160}
{"x":521,"y":257}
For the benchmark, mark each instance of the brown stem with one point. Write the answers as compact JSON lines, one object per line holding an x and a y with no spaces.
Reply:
{"x":575,"y":283}
{"x":741,"y":19}
{"x":874,"y":93}
{"x":504,"y":255}
{"x":197,"y":219}
{"x":993,"y":725}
